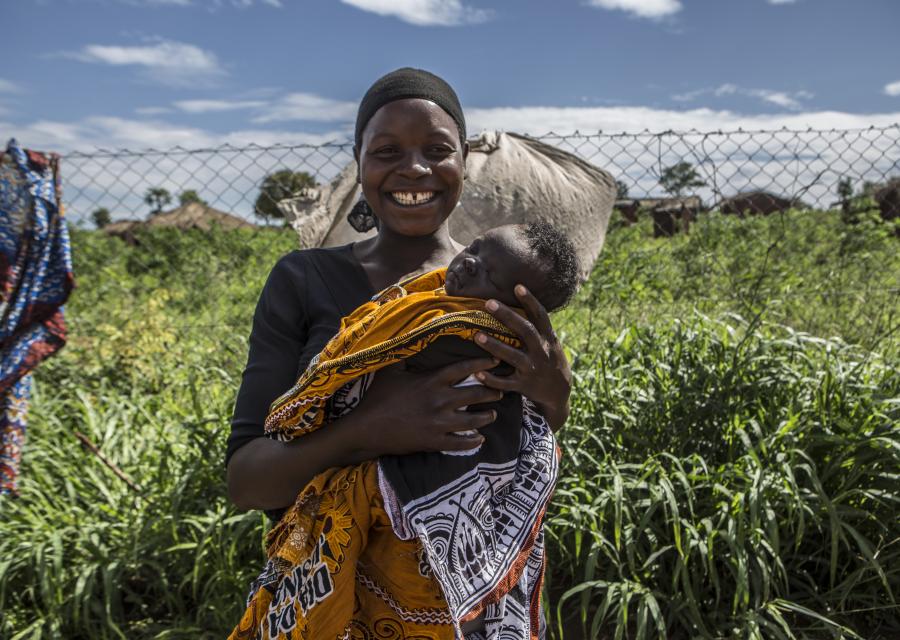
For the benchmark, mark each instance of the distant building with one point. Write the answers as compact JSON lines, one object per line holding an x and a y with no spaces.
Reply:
{"x":670,"y":215}
{"x":888,"y":198}
{"x":757,"y":203}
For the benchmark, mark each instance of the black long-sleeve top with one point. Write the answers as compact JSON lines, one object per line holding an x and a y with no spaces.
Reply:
{"x":299,"y":311}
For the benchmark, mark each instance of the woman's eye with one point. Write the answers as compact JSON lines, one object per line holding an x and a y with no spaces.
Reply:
{"x":440,"y":150}
{"x":385,"y":151}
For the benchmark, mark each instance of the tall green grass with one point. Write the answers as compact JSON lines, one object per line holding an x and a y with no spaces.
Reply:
{"x":722,"y":483}
{"x":804,"y":269}
{"x":730,"y":467}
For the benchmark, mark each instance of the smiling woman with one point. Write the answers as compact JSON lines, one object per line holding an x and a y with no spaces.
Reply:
{"x":411,"y":151}
{"x":411,"y":166}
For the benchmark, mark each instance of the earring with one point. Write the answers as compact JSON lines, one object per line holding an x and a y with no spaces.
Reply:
{"x":361,"y":216}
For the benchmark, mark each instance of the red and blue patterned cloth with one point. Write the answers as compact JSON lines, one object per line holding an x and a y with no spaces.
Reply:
{"x":35,"y":281}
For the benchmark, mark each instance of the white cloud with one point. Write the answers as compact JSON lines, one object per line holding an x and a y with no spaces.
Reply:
{"x":788,"y":159}
{"x":782,"y":1}
{"x":7,"y":86}
{"x":212,"y":106}
{"x":152,"y":111}
{"x":540,"y":120}
{"x":111,"y":132}
{"x":229,"y":182}
{"x":309,"y":107}
{"x":210,"y":4}
{"x":300,"y":107}
{"x":249,"y":3}
{"x":166,"y":61}
{"x":782,"y":161}
{"x":641,"y":8}
{"x":156,"y":3}
{"x":784,"y":99}
{"x":892,"y":89}
{"x":424,"y":13}
{"x":103,"y":132}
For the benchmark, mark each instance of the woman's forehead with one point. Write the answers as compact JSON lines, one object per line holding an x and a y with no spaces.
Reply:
{"x":400,"y":116}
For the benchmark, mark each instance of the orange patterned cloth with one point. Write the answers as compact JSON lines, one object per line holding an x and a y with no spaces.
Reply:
{"x":397,"y":323}
{"x":337,"y":543}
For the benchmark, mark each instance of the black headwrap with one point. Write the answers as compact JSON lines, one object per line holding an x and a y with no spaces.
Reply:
{"x":409,"y":83}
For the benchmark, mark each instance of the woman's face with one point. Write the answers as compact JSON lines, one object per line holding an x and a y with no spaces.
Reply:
{"x":411,"y":166}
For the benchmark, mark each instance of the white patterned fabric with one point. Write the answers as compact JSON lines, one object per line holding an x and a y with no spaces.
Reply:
{"x":481,"y":532}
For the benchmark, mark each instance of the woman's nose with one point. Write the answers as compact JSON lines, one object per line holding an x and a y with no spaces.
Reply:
{"x":414,"y":166}
{"x":471,"y":266}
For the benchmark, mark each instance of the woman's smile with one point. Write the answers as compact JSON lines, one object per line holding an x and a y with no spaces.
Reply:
{"x":413,"y":198}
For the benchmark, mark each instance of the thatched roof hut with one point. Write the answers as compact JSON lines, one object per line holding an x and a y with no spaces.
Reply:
{"x":121,"y":226}
{"x":196,"y":215}
{"x":757,"y":203}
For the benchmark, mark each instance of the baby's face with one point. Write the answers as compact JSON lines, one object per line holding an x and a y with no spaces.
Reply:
{"x":492,"y":265}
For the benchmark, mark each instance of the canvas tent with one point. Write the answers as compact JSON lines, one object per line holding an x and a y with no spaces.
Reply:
{"x":510,"y":179}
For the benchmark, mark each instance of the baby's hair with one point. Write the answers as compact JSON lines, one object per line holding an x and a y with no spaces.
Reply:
{"x":557,"y":252}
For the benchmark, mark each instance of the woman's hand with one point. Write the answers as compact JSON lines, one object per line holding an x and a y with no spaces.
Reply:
{"x":542,"y":372}
{"x":401,"y":412}
{"x":408,"y":412}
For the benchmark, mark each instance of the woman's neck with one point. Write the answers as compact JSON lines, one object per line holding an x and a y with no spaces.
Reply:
{"x":389,"y":257}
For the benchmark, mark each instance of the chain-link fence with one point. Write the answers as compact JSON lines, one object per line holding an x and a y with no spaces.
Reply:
{"x":805,"y":168}
{"x":805,"y":277}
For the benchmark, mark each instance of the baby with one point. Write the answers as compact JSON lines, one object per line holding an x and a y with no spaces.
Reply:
{"x":537,"y":255}
{"x":476,"y":518}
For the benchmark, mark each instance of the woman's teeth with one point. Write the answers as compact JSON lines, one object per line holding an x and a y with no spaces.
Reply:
{"x":410,"y":198}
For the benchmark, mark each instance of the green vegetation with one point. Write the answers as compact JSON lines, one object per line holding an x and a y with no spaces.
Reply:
{"x":190,"y":195}
{"x":101,"y":217}
{"x":730,"y":467}
{"x":680,"y":177}
{"x":156,"y":198}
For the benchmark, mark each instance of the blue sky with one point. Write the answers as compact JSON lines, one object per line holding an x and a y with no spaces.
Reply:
{"x":138,"y":73}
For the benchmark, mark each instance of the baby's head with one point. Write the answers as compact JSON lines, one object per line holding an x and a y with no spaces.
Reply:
{"x":537,"y":255}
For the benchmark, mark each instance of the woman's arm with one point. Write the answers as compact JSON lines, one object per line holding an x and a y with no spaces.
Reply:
{"x":542,"y":371}
{"x":401,"y":412}
{"x":267,"y":474}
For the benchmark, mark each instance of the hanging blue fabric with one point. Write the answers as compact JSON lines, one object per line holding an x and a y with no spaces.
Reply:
{"x":35,"y":281}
